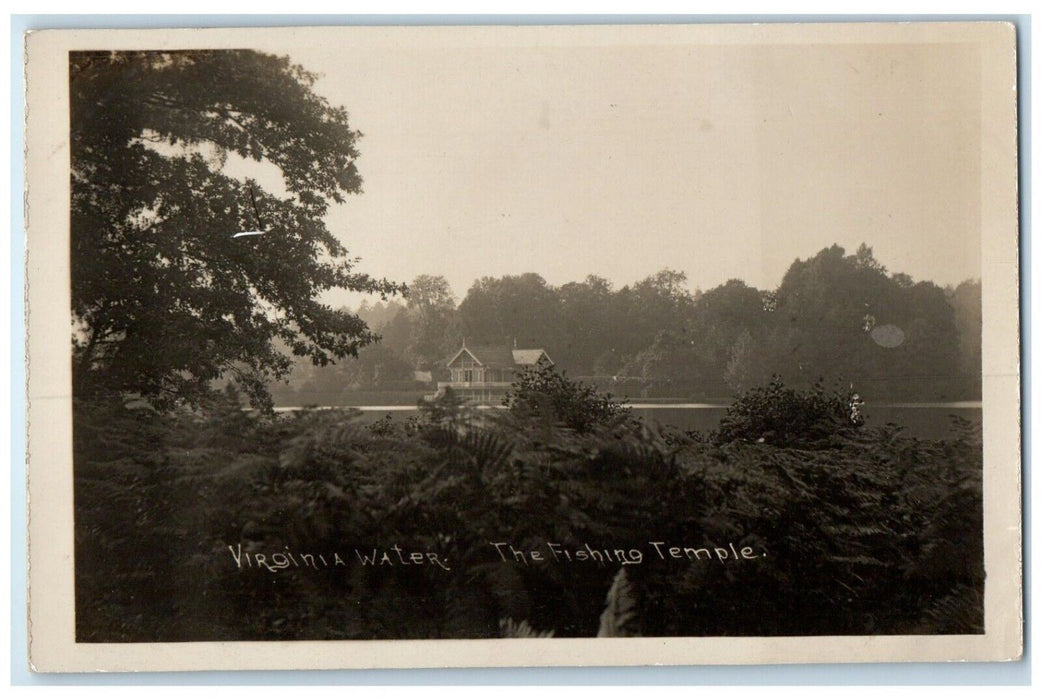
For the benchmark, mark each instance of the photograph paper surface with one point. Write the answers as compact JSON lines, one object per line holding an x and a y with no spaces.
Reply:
{"x":359,"y":347}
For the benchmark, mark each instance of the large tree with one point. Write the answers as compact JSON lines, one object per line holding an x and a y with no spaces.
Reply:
{"x":845,"y":317}
{"x":165,"y":297}
{"x":435,"y":331}
{"x":521,"y":308}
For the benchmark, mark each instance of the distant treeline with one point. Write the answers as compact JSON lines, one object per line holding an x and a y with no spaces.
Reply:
{"x":838,"y":317}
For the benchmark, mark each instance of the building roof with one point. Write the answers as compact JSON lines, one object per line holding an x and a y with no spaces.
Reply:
{"x":529,"y":357}
{"x":500,"y":357}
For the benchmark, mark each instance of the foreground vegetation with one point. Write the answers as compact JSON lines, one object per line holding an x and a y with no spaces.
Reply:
{"x":833,"y":528}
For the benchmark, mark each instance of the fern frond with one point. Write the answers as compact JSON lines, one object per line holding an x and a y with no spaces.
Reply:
{"x":621,"y":616}
{"x":508,"y":629}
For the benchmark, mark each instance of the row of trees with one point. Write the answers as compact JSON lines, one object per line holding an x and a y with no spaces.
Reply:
{"x":838,"y":316}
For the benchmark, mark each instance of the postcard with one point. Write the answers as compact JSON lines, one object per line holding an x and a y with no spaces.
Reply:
{"x":457,"y":346}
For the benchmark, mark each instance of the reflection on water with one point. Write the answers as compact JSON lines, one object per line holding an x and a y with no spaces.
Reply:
{"x":922,"y":420}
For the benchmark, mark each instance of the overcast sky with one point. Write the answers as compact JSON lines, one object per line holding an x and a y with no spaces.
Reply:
{"x":721,"y":161}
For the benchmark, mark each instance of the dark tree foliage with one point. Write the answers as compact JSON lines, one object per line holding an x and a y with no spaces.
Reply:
{"x":594,"y":330}
{"x":832,"y":310}
{"x":779,"y":415}
{"x":164,"y":299}
{"x":836,"y":315}
{"x":522,"y":308}
{"x":722,"y":330}
{"x":875,"y":533}
{"x":434,"y":332}
{"x":544,"y":392}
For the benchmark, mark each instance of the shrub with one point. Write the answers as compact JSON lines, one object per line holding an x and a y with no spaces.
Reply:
{"x":542,"y":391}
{"x":786,"y":417}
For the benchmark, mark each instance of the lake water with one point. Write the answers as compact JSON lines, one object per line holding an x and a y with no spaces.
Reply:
{"x":922,"y":420}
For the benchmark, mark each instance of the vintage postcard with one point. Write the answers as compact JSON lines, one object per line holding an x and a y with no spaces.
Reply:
{"x":356,"y":347}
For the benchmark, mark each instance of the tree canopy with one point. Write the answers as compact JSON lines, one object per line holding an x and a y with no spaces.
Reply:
{"x":835,"y":317}
{"x":165,"y":297}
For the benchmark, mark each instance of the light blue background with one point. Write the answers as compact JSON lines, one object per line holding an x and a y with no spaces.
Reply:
{"x":1018,"y":673}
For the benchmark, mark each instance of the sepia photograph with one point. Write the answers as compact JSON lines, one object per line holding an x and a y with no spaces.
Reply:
{"x":527,"y":333}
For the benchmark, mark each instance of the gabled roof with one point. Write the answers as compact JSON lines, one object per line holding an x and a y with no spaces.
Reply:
{"x":492,"y":355}
{"x":530,"y":357}
{"x":460,"y":352}
{"x":499,"y":356}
